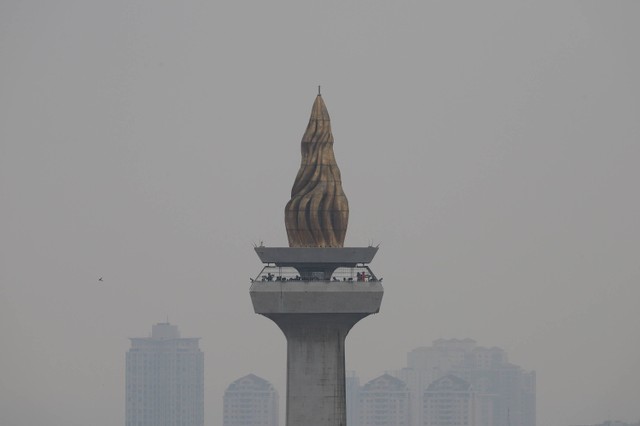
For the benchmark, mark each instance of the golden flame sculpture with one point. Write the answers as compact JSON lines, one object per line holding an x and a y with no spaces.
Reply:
{"x":318,"y":212}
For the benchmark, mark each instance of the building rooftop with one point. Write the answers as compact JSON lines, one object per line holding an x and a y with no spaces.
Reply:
{"x":250,"y":382}
{"x":385,"y":382}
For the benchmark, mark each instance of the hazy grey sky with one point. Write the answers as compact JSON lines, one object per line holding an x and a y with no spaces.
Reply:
{"x":491,"y":148}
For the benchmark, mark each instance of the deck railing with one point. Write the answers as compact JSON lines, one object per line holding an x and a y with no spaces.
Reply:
{"x":272,"y":273}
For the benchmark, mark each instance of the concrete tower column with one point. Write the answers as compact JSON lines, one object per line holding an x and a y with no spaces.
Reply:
{"x":316,"y":317}
{"x":315,"y":367}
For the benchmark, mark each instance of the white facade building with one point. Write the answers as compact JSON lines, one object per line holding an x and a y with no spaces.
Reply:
{"x":352,"y":391}
{"x":164,"y":380}
{"x":250,"y":401}
{"x":510,"y":390}
{"x":384,"y":401}
{"x":451,"y":401}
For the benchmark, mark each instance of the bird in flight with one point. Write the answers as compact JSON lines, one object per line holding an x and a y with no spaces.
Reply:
{"x":100,"y":279}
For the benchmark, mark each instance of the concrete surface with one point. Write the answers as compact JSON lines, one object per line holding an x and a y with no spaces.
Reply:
{"x":316,"y":317}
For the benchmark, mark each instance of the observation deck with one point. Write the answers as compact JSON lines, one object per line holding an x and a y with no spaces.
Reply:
{"x":316,"y":263}
{"x":316,"y":280}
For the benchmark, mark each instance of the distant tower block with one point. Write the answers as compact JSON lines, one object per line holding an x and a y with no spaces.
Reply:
{"x":250,"y":400}
{"x":164,"y":379}
{"x":316,"y":289}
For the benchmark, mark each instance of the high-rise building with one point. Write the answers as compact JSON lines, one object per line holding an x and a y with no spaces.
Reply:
{"x":250,"y":401}
{"x":384,"y":401}
{"x":164,"y":380}
{"x":513,"y":389}
{"x":510,"y":390}
{"x":352,"y":391}
{"x":452,"y":401}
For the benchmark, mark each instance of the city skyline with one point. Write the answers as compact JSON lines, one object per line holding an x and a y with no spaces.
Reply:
{"x":253,"y":400}
{"x":481,"y":379}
